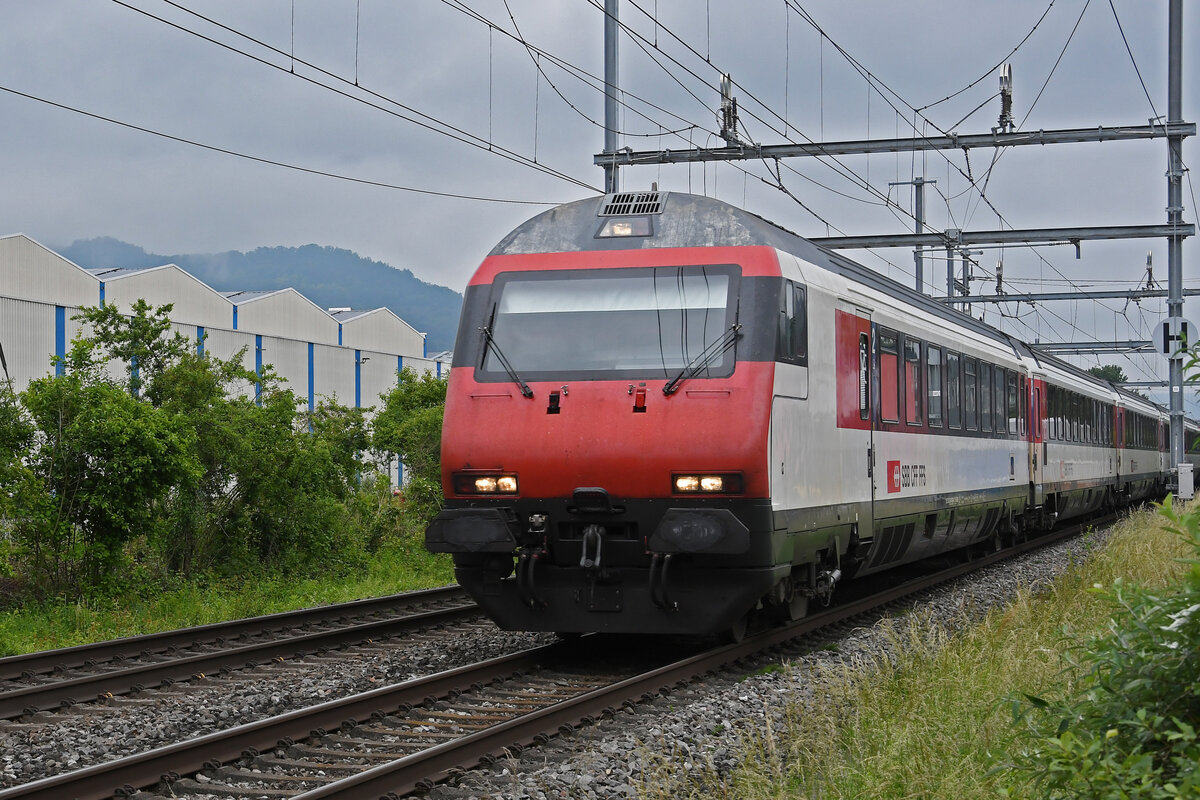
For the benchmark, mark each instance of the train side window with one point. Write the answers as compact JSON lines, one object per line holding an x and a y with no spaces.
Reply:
{"x":1023,"y":405}
{"x":953,"y":391}
{"x":912,"y":381}
{"x":971,"y":393}
{"x":1012,"y":402}
{"x":889,"y":370}
{"x":1037,"y":413}
{"x":793,"y":334}
{"x":998,"y":398}
{"x":1050,"y":401}
{"x":1071,"y":416}
{"x":1059,"y":414}
{"x":985,"y":397}
{"x":933,"y":380}
{"x":1079,"y":432}
{"x":1055,"y":412}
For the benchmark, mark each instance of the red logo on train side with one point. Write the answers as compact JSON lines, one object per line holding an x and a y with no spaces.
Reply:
{"x":893,"y":476}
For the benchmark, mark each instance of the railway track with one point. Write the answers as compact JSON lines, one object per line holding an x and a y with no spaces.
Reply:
{"x":55,"y":678}
{"x":400,"y":738}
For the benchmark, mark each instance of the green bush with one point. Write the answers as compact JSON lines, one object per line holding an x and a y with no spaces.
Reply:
{"x":1128,"y":730}
{"x":191,"y":466}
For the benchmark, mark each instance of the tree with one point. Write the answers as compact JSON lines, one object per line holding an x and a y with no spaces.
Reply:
{"x":140,"y":340}
{"x":1109,"y":372}
{"x":409,"y":424}
{"x":103,"y":462}
{"x":205,"y":477}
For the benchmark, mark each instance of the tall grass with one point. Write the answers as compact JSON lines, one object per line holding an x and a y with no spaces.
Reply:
{"x":400,"y":566}
{"x":928,"y":718}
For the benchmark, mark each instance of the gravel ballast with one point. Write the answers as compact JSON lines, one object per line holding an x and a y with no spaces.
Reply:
{"x":699,"y":727}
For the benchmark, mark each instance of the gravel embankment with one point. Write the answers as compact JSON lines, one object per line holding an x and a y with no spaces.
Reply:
{"x":704,"y":725}
{"x":700,"y":726}
{"x":49,"y":744}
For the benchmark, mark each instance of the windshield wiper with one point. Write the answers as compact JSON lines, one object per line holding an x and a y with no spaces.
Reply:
{"x":711,"y":351}
{"x":512,"y":373}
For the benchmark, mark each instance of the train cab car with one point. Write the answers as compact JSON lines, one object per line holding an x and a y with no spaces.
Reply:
{"x":666,"y":414}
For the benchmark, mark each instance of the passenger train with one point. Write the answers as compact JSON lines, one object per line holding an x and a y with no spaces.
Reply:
{"x":666,"y":415}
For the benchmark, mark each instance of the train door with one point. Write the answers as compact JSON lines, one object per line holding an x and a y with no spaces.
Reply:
{"x":855,"y":415}
{"x":1037,"y":440}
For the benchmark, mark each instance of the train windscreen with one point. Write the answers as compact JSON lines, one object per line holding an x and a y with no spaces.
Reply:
{"x":629,"y":323}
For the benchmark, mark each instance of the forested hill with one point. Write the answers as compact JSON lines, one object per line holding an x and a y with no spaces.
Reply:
{"x":328,"y":276}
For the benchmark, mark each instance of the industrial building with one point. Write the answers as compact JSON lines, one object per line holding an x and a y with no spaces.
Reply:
{"x":348,"y":355}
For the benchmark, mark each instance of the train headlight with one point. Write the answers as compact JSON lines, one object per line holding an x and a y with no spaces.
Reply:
{"x":475,"y":483}
{"x":713,"y":483}
{"x":625,"y":226}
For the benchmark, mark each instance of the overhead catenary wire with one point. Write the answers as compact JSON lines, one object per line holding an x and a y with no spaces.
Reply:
{"x":1133,"y":60}
{"x":992,"y":69}
{"x":268,"y":161}
{"x":593,"y":81}
{"x":642,"y":43}
{"x":973,"y":182}
{"x":777,"y":176}
{"x":409,"y":114}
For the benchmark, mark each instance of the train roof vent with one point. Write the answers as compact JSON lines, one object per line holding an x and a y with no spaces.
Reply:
{"x":625,"y":203}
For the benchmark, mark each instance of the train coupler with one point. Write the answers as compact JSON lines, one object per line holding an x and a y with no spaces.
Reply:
{"x":824,"y":583}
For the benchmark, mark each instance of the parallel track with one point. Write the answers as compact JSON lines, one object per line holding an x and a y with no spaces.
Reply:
{"x":415,"y":733}
{"x":53,"y":678}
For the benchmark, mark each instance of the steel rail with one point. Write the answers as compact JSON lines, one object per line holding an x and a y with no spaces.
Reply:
{"x":145,"y":769}
{"x":29,"y":699}
{"x":418,"y":770}
{"x":43,"y":661}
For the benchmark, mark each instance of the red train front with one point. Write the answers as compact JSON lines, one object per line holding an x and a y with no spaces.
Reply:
{"x":606,"y":428}
{"x":666,"y":413}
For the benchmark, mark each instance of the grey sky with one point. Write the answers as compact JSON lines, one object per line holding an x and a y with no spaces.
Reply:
{"x":66,"y":176}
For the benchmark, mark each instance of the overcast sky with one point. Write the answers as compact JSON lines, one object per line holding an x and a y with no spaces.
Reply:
{"x":278,"y":83}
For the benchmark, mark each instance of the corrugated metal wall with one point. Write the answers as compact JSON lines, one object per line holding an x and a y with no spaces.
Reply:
{"x":31,"y":272}
{"x":224,"y":344}
{"x":382,"y":330}
{"x":27,"y":336}
{"x":290,"y":315}
{"x":194,"y":302}
{"x":40,"y":292}
{"x":334,"y":368}
{"x":289,"y":358}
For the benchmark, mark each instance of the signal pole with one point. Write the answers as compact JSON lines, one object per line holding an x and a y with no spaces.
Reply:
{"x":1175,"y":217}
{"x":919,"y":225}
{"x":611,"y":30}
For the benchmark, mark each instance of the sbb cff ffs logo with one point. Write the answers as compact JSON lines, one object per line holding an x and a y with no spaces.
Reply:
{"x":904,"y":476}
